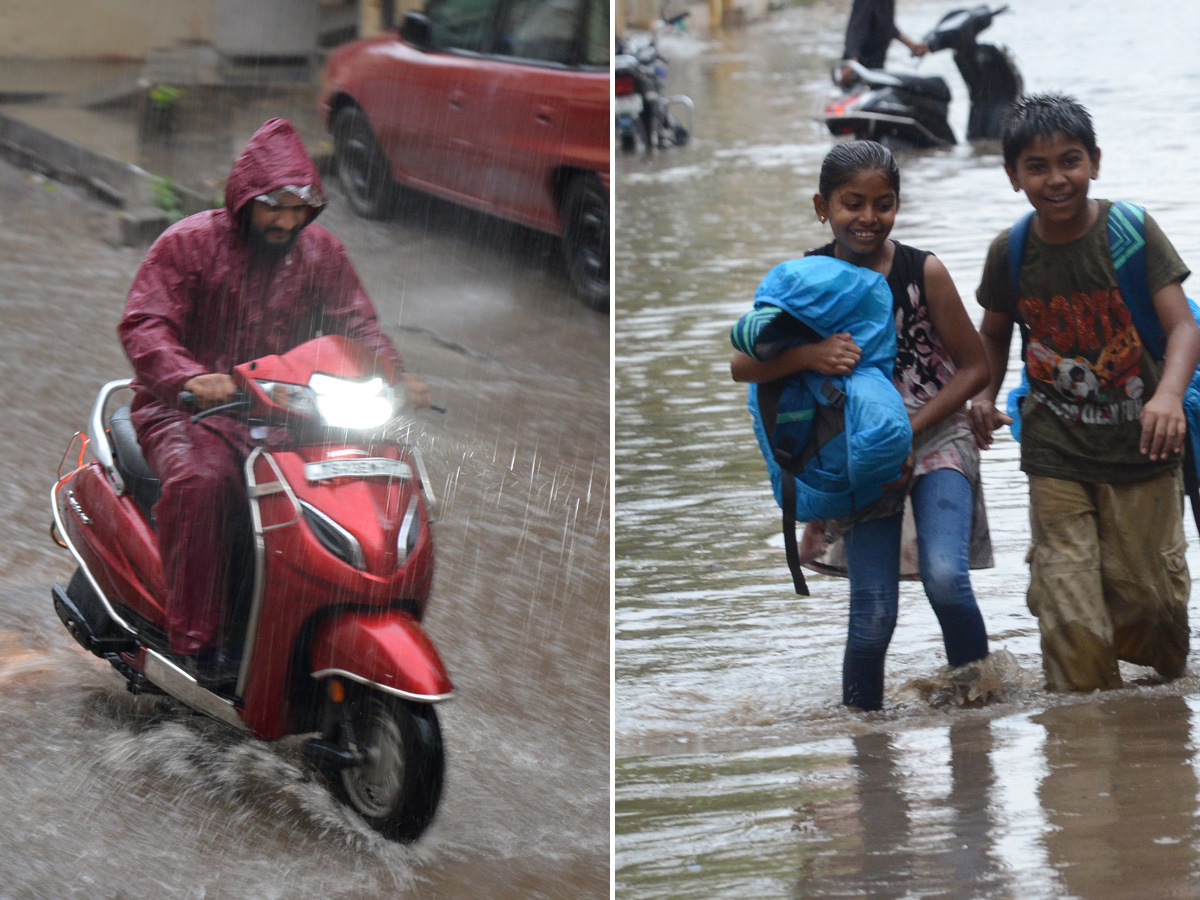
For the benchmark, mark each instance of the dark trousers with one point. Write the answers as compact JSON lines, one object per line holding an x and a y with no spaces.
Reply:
{"x":203,"y":499}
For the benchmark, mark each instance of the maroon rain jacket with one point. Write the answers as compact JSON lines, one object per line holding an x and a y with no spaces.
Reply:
{"x":201,"y":303}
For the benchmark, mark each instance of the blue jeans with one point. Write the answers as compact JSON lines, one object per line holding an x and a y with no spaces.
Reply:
{"x":943,"y":508}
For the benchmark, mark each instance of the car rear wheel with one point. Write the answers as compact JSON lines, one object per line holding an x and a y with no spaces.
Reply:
{"x":585,"y":239}
{"x":361,"y":166}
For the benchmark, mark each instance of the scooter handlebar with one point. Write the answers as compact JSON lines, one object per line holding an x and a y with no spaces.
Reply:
{"x":187,"y":400}
{"x":967,"y":24}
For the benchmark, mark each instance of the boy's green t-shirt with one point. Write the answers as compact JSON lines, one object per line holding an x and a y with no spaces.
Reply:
{"x":1089,"y":373}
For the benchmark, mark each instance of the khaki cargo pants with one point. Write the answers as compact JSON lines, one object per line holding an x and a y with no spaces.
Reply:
{"x":1108,"y":578}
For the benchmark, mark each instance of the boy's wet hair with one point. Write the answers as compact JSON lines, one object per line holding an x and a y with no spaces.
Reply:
{"x":1043,"y":116}
{"x":850,"y":158}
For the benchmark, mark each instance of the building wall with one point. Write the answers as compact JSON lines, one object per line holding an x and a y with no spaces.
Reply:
{"x":378,"y":15}
{"x":101,"y":29}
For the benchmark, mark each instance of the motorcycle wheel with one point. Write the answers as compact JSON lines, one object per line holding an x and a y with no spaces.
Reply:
{"x":676,"y":133}
{"x":585,"y":239}
{"x":631,"y":134}
{"x":397,"y":788}
{"x":361,"y":166}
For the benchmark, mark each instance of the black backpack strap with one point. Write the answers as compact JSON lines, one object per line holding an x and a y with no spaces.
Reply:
{"x":790,"y":547}
{"x":768,"y":409}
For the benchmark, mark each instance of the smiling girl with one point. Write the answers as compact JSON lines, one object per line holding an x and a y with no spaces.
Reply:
{"x":939,"y":365}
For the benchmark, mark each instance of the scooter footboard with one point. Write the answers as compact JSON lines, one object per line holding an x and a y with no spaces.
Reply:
{"x":388,"y":651}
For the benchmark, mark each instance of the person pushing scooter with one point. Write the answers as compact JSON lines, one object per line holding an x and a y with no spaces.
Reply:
{"x":869,"y":33}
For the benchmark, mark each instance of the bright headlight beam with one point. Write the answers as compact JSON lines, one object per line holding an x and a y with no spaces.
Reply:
{"x":357,"y":405}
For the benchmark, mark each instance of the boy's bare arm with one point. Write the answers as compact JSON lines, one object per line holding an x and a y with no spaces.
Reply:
{"x":996,"y":334}
{"x":1163,"y":424}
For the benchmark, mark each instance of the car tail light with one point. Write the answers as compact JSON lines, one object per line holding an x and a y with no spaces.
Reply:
{"x":623,"y":84}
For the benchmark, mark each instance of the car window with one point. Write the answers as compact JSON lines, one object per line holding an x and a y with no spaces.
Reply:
{"x":597,"y":49}
{"x":461,"y":24}
{"x":544,"y":30}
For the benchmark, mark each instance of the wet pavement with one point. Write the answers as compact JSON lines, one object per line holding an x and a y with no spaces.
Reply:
{"x":105,"y":108}
{"x":114,"y":796}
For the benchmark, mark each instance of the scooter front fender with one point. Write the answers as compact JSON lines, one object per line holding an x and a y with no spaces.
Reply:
{"x":387,"y":651}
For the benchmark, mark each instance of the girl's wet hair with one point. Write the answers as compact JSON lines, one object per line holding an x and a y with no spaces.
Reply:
{"x":851,"y":158}
{"x":1042,"y":117}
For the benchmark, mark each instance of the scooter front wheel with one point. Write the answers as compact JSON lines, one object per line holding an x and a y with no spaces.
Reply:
{"x":397,"y":786}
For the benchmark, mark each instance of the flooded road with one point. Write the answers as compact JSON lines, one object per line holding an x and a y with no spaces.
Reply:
{"x":110,"y":796}
{"x":738,"y":773}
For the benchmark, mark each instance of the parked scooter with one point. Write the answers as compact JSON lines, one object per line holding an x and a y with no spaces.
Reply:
{"x":909,"y":110}
{"x":644,"y":115}
{"x":329,"y":589}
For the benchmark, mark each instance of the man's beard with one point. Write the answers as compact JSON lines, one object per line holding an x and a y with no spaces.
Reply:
{"x":260,"y":245}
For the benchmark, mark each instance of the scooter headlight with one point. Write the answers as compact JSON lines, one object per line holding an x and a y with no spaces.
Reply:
{"x":295,"y":397}
{"x":358,"y":405}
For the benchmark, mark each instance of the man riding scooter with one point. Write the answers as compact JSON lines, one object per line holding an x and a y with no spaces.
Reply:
{"x":254,"y":278}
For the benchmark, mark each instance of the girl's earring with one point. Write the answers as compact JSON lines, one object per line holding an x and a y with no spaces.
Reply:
{"x":822,"y":218}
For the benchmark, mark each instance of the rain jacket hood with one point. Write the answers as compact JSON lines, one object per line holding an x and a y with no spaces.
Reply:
{"x":273,"y":157}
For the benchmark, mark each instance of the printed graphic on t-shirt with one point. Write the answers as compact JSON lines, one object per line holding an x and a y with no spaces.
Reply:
{"x":1084,"y":357}
{"x":921,"y":364}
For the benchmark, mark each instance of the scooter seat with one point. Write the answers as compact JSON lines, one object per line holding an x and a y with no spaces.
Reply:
{"x":140,"y":479}
{"x":932,"y":86}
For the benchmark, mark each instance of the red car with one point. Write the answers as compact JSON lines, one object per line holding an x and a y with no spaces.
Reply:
{"x":501,"y":105}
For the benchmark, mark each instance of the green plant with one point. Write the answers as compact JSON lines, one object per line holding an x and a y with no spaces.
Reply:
{"x":165,"y":196}
{"x":164,"y":95}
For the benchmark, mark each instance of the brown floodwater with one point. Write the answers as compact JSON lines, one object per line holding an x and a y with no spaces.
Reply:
{"x":738,"y":773}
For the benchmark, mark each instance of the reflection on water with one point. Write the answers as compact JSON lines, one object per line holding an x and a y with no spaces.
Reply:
{"x":738,"y":771}
{"x":1120,"y":797}
{"x":1093,"y":799}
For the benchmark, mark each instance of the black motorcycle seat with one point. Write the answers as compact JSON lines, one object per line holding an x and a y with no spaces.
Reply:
{"x":932,"y":86}
{"x":140,"y":480}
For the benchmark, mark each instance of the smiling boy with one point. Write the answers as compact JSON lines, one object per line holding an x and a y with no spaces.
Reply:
{"x":1102,"y":427}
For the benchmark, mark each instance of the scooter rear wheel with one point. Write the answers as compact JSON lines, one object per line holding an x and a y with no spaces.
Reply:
{"x":398,"y":786}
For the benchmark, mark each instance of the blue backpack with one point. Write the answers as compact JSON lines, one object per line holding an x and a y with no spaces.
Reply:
{"x":830,"y":442}
{"x":1126,"y":224}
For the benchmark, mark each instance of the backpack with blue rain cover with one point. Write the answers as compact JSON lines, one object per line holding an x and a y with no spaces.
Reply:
{"x":1126,"y":225}
{"x":830,"y":441}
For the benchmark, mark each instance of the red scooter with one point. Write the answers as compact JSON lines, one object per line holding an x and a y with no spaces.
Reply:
{"x":330,"y":584}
